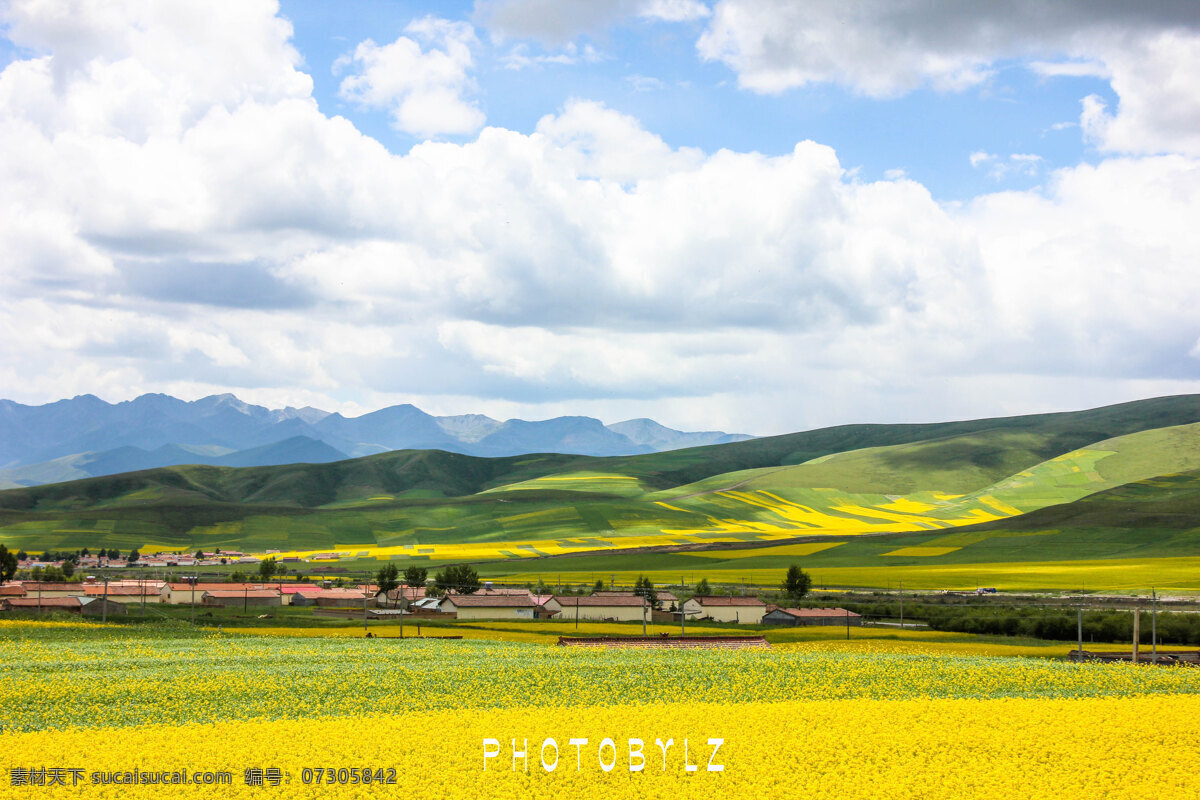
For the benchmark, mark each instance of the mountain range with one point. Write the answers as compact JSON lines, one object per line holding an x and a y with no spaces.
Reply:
{"x":1108,"y":496}
{"x":87,"y":437}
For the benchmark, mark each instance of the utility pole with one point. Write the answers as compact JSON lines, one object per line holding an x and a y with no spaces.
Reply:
{"x":364,"y":609}
{"x":901,"y":604}
{"x":612,"y":582}
{"x":1136,"y":632}
{"x":142,"y":591}
{"x":192,"y":580}
{"x":1154,"y":627}
{"x":245,"y":597}
{"x":1079,"y":628}
{"x":847,"y":624}
{"x":577,"y":613}
{"x":643,"y":615}
{"x":104,"y":608}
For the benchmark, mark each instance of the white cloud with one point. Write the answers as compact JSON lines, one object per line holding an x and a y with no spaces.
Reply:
{"x":999,"y":168}
{"x":1157,"y":79}
{"x":242,"y":240}
{"x":424,"y":90}
{"x":520,"y":57}
{"x":880,"y":48}
{"x":674,"y":10}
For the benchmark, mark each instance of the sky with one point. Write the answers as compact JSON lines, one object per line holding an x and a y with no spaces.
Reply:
{"x":758,"y":216}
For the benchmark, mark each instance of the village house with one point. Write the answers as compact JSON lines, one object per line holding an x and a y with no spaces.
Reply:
{"x":742,"y":610}
{"x":45,"y":605}
{"x":46,"y":589}
{"x":242,"y":598}
{"x":99,"y":606}
{"x":792,"y":617}
{"x":185,"y":593}
{"x":620,"y":608}
{"x":663,"y":598}
{"x":343,"y":598}
{"x":470,"y":606}
{"x":124,"y":592}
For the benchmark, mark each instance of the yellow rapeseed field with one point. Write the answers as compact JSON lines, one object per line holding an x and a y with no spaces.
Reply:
{"x":883,"y":718}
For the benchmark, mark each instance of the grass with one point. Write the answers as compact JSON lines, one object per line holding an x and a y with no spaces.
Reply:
{"x":987,"y":498}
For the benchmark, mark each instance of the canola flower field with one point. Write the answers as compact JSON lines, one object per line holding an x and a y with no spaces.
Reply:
{"x":806,"y":718}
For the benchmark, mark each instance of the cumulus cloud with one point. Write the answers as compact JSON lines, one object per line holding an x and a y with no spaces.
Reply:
{"x":424,"y":90}
{"x":240,"y":239}
{"x":1150,"y":52}
{"x":557,"y":22}
{"x":999,"y":168}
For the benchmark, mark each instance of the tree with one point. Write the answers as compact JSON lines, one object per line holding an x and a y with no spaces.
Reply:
{"x":84,"y":552}
{"x":199,"y":555}
{"x":462,"y":578}
{"x":388,"y":578}
{"x":133,"y":556}
{"x":599,"y":587}
{"x":68,"y":568}
{"x":267,"y":568}
{"x":644,"y":588}
{"x":415,"y":576}
{"x":702,"y":587}
{"x":8,"y":565}
{"x":22,"y":555}
{"x":797,"y":582}
{"x":237,"y":576}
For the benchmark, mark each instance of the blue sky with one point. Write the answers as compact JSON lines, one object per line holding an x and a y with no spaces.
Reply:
{"x":650,"y":69}
{"x":749,"y":215}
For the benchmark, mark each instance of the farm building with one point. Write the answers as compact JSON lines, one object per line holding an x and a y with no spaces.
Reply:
{"x":242,"y":598}
{"x":622,"y":608}
{"x":98,"y":607}
{"x":32,"y":605}
{"x":403,"y":595}
{"x":742,"y":610}
{"x":12,"y":590}
{"x":124,"y":593}
{"x":46,"y":589}
{"x":306,"y":596}
{"x":663,"y":597}
{"x":491,"y":607}
{"x":811,"y":616}
{"x":183,"y":594}
{"x":343,"y":598}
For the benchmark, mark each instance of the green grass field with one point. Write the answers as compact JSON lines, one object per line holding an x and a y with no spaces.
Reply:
{"x":945,"y":504}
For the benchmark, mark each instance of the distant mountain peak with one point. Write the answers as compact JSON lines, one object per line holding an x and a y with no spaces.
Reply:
{"x":157,"y":429}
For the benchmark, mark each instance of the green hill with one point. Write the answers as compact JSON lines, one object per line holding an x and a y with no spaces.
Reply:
{"x":907,"y":481}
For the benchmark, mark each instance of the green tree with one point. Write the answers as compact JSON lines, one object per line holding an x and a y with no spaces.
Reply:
{"x":797,"y":582}
{"x":702,"y":587}
{"x":644,"y":588}
{"x":388,"y":578}
{"x":84,"y":552}
{"x":8,"y":565}
{"x":415,"y":576}
{"x":68,"y":569}
{"x":199,"y":555}
{"x":599,"y":587}
{"x":267,"y":568}
{"x":22,"y":555}
{"x":237,"y":576}
{"x":133,"y":556}
{"x":461,"y":578}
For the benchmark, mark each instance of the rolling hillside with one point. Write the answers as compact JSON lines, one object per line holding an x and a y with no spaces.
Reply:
{"x":887,"y":497}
